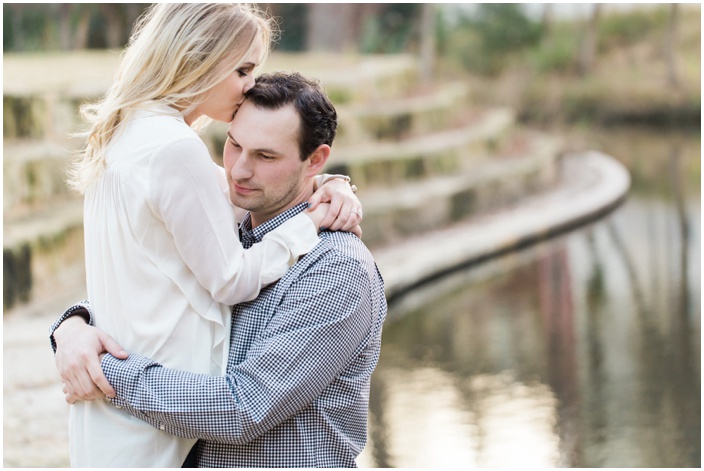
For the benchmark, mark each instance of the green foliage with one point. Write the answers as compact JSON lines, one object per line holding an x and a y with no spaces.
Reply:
{"x":504,"y":27}
{"x":556,"y":52}
{"x":392,"y":30}
{"x":39,"y":27}
{"x":622,"y":29}
{"x":24,"y":28}
{"x":484,"y":41}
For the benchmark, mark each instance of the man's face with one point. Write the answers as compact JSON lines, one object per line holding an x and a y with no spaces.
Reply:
{"x":264,"y":171}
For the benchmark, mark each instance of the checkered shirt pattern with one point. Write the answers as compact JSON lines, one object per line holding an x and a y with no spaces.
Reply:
{"x":296,"y":392}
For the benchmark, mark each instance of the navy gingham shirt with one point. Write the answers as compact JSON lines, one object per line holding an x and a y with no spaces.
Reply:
{"x":296,"y":392}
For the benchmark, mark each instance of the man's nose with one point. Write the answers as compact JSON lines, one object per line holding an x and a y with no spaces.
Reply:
{"x":242,"y":168}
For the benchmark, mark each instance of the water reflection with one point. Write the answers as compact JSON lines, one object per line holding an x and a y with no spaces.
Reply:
{"x":484,"y":420}
{"x":580,"y":352}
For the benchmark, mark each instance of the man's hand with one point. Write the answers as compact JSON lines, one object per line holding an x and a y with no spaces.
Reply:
{"x":344,"y":212}
{"x":78,"y":346}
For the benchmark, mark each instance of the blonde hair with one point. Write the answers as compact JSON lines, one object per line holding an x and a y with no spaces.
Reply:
{"x":176,"y":54}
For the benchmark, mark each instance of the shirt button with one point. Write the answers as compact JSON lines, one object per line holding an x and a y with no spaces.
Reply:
{"x":118,"y":407}
{"x":161,"y":427}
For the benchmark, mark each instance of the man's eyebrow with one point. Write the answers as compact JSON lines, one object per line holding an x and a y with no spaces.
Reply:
{"x":264,"y":150}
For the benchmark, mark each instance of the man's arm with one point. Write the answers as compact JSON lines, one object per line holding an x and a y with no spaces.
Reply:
{"x":309,"y":341}
{"x":77,"y":346}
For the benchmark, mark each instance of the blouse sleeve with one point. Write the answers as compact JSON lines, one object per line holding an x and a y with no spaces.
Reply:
{"x":186,"y":194}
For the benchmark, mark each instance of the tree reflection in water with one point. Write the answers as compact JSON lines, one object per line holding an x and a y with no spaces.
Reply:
{"x":583,"y":351}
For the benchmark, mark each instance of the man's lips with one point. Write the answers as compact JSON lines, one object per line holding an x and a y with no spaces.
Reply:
{"x":244,"y":190}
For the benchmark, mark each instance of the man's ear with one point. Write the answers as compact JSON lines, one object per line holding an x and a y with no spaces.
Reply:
{"x":317,"y":160}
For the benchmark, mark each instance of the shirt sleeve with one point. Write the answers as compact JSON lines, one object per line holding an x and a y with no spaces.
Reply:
{"x":186,"y":194}
{"x":314,"y":333}
{"x":80,"y":309}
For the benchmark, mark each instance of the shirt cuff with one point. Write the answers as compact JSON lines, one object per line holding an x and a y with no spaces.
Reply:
{"x":123,"y":375}
{"x":298,"y":233}
{"x":81,"y":309}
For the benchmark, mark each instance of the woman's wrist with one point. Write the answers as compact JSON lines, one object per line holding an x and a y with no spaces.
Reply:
{"x":324,"y":178}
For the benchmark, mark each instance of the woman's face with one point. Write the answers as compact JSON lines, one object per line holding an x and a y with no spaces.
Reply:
{"x":223,"y":100}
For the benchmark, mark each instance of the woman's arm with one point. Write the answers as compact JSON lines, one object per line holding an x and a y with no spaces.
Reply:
{"x":186,"y":194}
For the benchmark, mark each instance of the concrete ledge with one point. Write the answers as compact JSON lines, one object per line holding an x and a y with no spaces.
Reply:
{"x":395,"y":213}
{"x":401,"y":117}
{"x":591,"y":185}
{"x":34,"y":174}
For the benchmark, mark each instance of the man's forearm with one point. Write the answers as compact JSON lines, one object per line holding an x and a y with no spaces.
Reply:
{"x":184,"y":404}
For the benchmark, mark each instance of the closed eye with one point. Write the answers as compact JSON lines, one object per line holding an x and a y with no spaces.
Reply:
{"x":232,"y":142}
{"x":245,"y":70}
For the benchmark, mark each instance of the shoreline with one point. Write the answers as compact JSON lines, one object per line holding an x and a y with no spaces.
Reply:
{"x":591,"y":185}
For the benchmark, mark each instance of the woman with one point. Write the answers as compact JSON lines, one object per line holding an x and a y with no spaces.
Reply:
{"x":163,"y":260}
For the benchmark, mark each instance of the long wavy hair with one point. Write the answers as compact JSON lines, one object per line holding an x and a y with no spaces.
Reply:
{"x":175,"y":55}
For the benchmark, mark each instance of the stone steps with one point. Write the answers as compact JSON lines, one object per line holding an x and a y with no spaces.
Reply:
{"x":42,"y":115}
{"x":43,"y":251}
{"x":392,"y":213}
{"x":438,"y":153}
{"x":38,"y":104}
{"x":420,"y":112}
{"x":34,"y":173}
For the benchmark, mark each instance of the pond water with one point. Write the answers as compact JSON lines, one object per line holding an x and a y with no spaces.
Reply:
{"x":582,"y":351}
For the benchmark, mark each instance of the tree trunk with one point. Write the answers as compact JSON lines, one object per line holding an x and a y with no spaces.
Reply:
{"x":19,"y":39}
{"x":132,"y":13}
{"x":80,"y":38}
{"x":330,"y":26}
{"x":64,"y":19}
{"x":587,"y":51}
{"x":427,"y":42}
{"x":547,"y":19}
{"x":670,"y":47}
{"x":113,"y":25}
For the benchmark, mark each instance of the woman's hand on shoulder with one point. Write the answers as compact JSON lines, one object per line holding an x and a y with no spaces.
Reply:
{"x":335,"y":207}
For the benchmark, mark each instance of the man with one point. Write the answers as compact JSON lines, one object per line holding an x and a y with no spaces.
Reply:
{"x":302,"y":353}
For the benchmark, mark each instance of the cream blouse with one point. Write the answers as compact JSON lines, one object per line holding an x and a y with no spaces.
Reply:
{"x":163,"y":265}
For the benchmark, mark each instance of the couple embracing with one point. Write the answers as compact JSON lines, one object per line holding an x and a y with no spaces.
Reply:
{"x":250,"y":308}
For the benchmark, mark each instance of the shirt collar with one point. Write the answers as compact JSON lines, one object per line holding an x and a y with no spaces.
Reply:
{"x":250,"y":236}
{"x":152,"y":108}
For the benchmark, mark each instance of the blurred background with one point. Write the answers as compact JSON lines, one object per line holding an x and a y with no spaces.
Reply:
{"x":582,"y":350}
